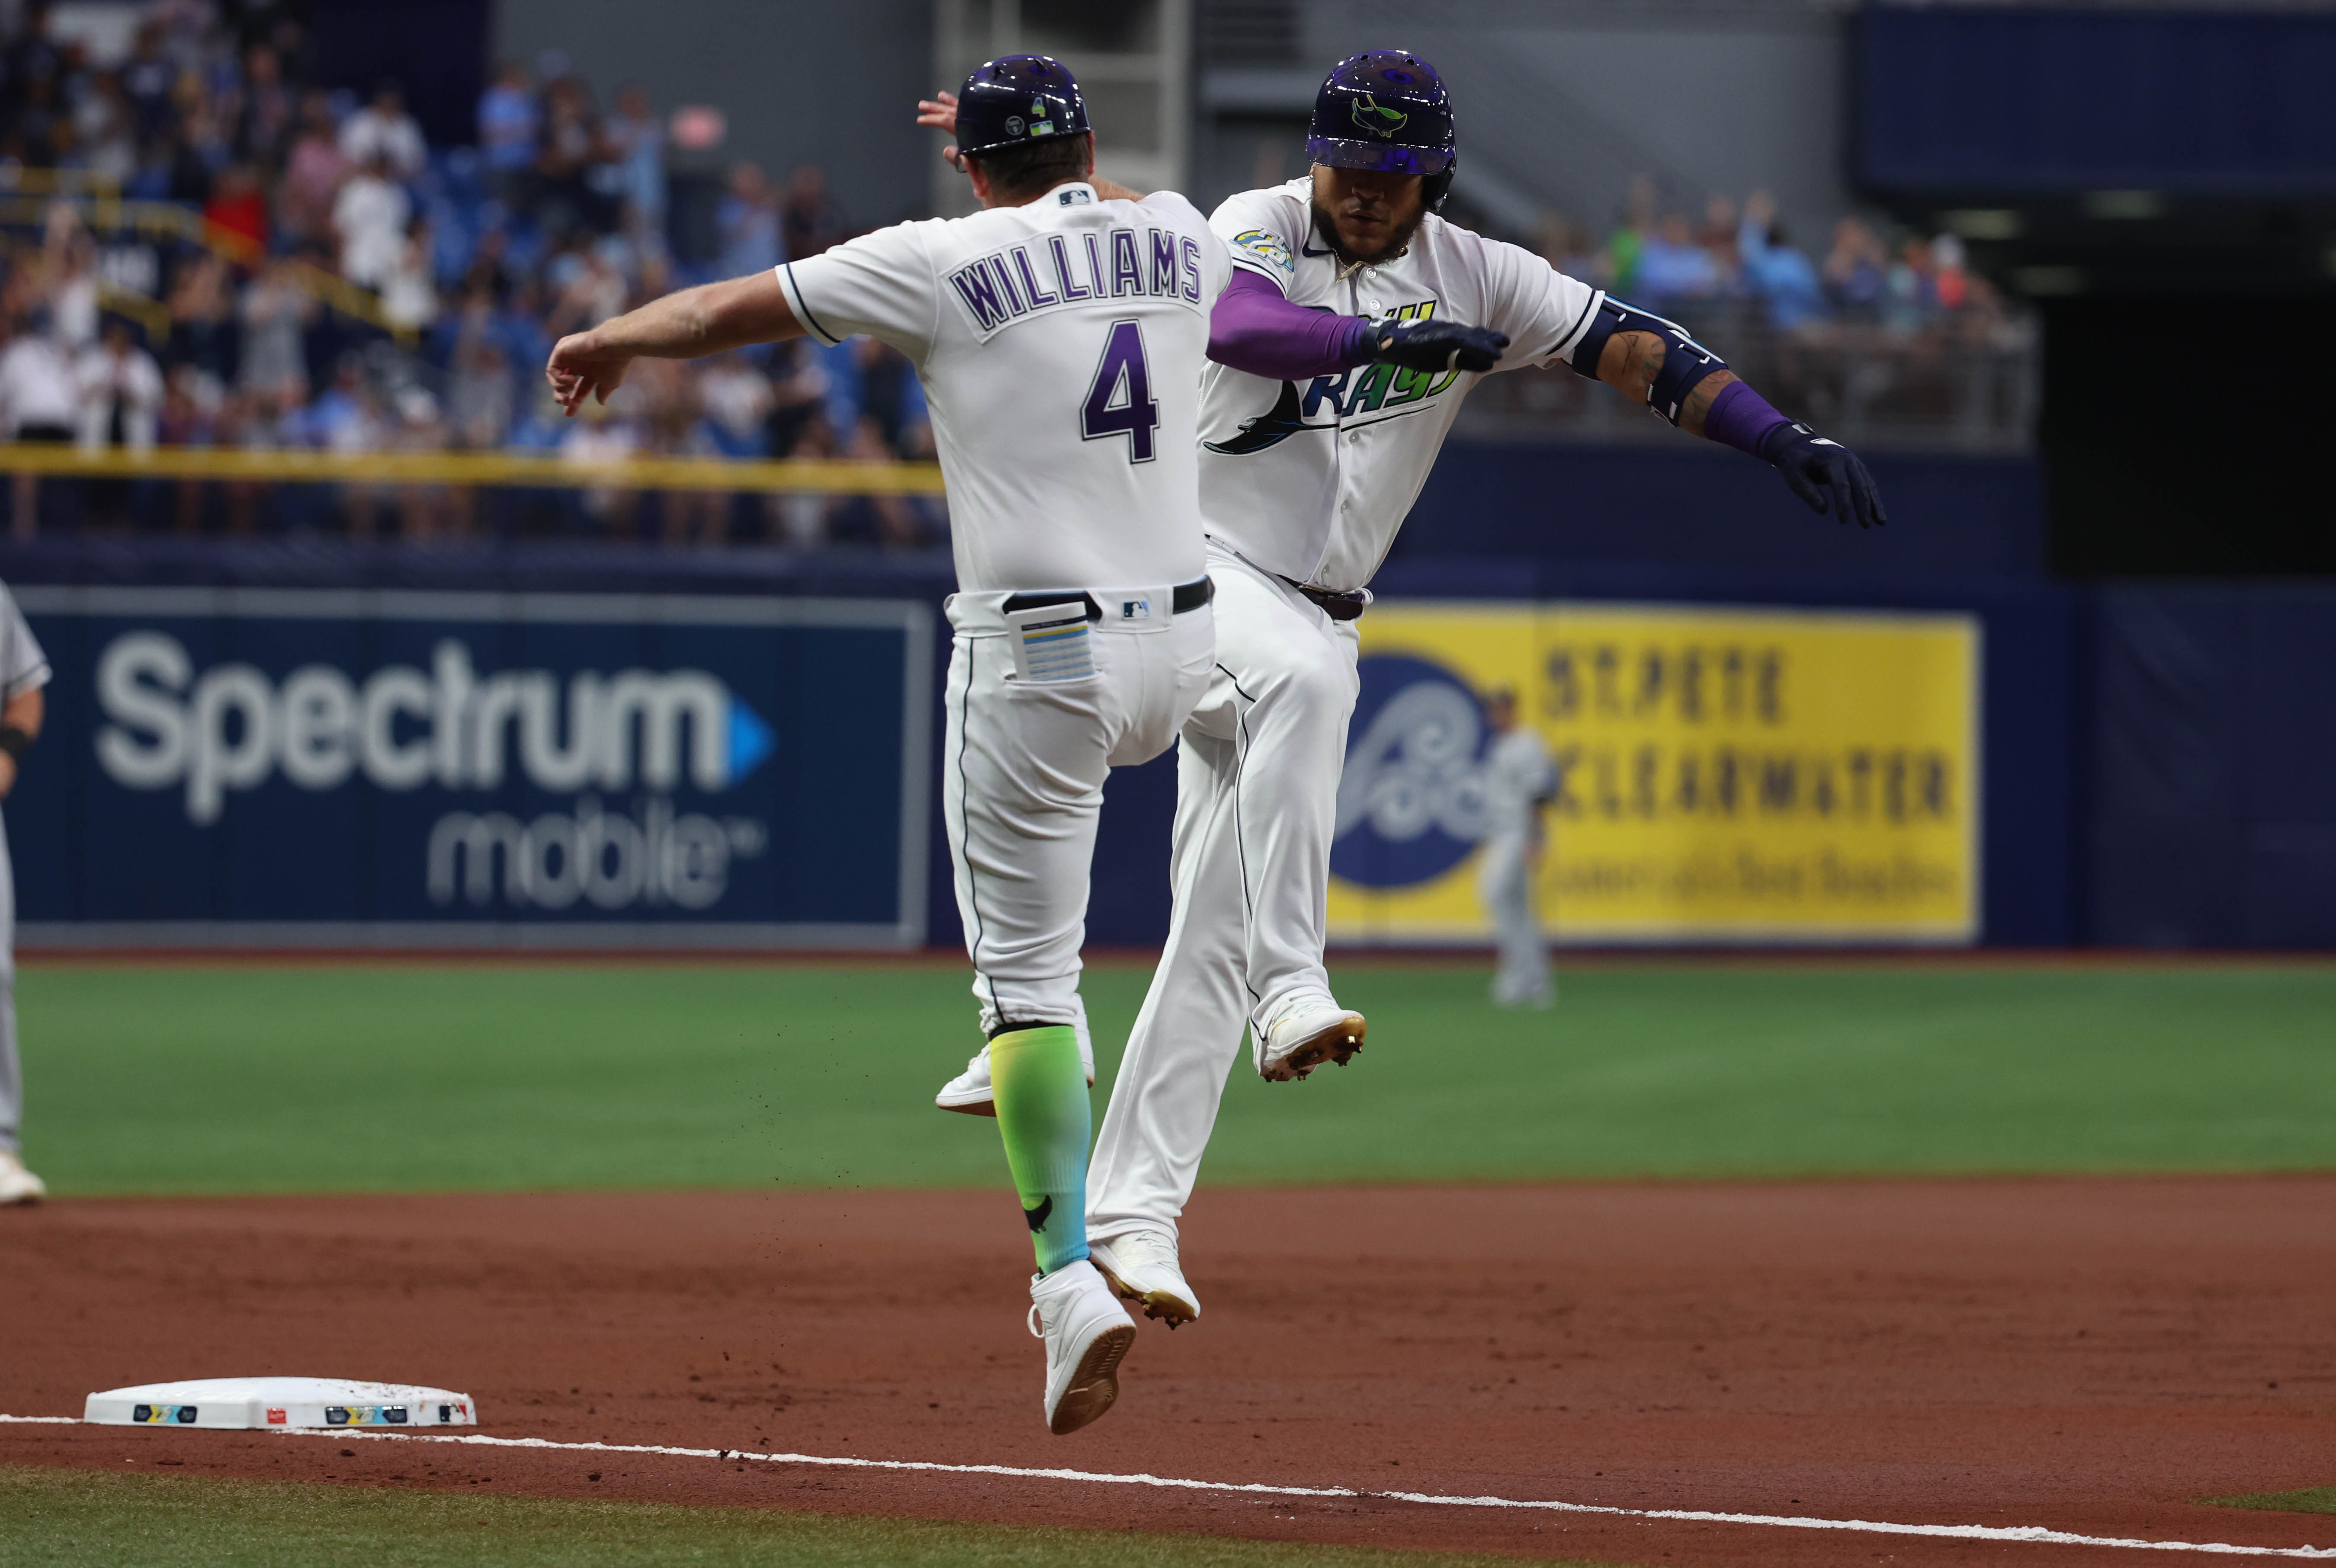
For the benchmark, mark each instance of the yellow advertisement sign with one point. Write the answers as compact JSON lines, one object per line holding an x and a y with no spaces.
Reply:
{"x":1720,"y":774}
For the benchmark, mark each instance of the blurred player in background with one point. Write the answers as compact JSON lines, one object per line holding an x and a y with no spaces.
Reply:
{"x":1519,"y":781}
{"x":1308,"y":470}
{"x":24,"y":671}
{"x":1059,"y":334}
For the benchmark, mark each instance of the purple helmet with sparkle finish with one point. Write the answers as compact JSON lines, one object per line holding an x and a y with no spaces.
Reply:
{"x":1385,"y":109}
{"x":1016,"y":100}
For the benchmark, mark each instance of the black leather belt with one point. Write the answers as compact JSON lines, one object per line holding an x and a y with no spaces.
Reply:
{"x":1183,"y":599}
{"x":1337,"y":606}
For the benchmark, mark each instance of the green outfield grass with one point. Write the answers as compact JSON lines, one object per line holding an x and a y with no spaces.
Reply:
{"x":254,"y":1079}
{"x":76,"y":1516}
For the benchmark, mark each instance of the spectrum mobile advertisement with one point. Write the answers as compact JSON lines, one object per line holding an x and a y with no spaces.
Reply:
{"x":1724,"y":775}
{"x":360,"y":767}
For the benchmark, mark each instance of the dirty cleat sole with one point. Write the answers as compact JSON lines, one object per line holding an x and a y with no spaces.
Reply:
{"x":1337,"y":1043}
{"x":1094,"y":1383}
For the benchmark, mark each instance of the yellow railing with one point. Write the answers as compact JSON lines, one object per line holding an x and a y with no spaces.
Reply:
{"x":480,"y":468}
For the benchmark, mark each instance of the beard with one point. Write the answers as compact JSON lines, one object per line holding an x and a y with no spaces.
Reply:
{"x":1398,"y":241}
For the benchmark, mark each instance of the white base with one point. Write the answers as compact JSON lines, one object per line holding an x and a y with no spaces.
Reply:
{"x":245,"y":1403}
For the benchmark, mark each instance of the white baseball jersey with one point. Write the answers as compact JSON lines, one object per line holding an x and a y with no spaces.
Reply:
{"x":1312,"y":482}
{"x":1045,"y":335}
{"x":23,"y":665}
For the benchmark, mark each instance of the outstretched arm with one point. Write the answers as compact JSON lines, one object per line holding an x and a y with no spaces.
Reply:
{"x":689,"y":324}
{"x":1656,"y":363}
{"x":938,"y":112}
{"x":1254,"y":328}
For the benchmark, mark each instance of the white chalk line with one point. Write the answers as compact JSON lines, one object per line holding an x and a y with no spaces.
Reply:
{"x":2035,"y":1532}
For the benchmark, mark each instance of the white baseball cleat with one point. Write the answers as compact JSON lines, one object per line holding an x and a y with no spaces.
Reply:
{"x":970,"y":1091}
{"x":18,"y":1184}
{"x":1142,"y":1266}
{"x":1302,"y":1040}
{"x":1087,"y":1333}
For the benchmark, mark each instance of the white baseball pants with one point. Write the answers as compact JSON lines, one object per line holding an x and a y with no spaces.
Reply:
{"x":1504,"y":881}
{"x":1257,"y":805}
{"x":1023,"y":771}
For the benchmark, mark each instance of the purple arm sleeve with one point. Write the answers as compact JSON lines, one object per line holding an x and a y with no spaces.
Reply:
{"x":1741,"y":418}
{"x":1254,"y":328}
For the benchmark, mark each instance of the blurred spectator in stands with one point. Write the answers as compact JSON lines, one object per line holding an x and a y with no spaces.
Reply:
{"x":592,"y":290}
{"x":188,"y":417}
{"x":120,"y":393}
{"x":889,"y":393}
{"x":68,"y":273}
{"x":370,"y":217}
{"x":313,"y":173}
{"x":748,"y":219}
{"x":798,"y":382}
{"x":269,"y":113}
{"x":237,"y":208}
{"x":1947,"y":276}
{"x":382,"y":129}
{"x":1719,"y":237}
{"x":636,"y":145}
{"x":33,"y":61}
{"x":1783,"y":280}
{"x":813,"y":221}
{"x":275,"y":309}
{"x":482,"y":390}
{"x":1673,"y":270}
{"x":203,"y":333}
{"x":1855,"y":272}
{"x":1565,"y":244}
{"x":1619,"y":269}
{"x":39,"y":403}
{"x":413,"y":424}
{"x":1910,"y":291}
{"x":508,"y":126}
{"x":409,"y":290}
{"x":198,"y":150}
{"x":803,"y":517}
{"x":347,"y":419}
{"x":105,"y":130}
{"x":146,"y":79}
{"x":607,"y":434}
{"x":566,"y":149}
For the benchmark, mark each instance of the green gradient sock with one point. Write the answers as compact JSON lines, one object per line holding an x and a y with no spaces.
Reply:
{"x":1045,"y":1119}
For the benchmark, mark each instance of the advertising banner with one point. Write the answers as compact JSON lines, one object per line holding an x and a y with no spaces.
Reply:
{"x":286,"y":767}
{"x":1720,"y":775}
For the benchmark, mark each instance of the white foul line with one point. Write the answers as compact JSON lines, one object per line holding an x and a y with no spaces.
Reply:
{"x":2035,"y":1532}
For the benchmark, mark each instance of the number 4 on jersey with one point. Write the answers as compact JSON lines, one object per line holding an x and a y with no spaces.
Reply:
{"x":1109,"y":411}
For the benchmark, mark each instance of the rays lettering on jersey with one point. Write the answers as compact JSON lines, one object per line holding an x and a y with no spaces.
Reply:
{"x":1350,"y":395}
{"x":1060,"y":270}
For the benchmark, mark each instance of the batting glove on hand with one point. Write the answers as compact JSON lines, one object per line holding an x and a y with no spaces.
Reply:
{"x":1437,"y":345}
{"x":1826,"y":474}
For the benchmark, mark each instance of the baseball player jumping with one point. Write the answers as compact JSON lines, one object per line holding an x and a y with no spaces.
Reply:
{"x":1307,"y":471}
{"x":1060,"y":335}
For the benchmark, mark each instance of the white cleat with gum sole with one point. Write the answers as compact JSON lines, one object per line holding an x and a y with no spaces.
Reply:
{"x":1142,"y":1267}
{"x":1087,"y":1334}
{"x":1301,"y":1040}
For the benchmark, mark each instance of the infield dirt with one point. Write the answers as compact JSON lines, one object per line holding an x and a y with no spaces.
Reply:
{"x":2091,"y":1355}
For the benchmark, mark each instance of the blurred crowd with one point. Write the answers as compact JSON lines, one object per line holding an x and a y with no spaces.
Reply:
{"x":356,"y":289}
{"x":1740,"y":268}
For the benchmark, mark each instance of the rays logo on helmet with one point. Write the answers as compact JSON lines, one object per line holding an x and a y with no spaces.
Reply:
{"x":1378,"y":121}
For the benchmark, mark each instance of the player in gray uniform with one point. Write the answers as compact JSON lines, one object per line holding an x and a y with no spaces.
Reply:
{"x":24,"y":672}
{"x":1059,"y":334}
{"x":1519,"y":779}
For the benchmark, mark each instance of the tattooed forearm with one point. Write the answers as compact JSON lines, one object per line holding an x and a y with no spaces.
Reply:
{"x":1632,"y":360}
{"x":1699,"y":402}
{"x":1630,"y":363}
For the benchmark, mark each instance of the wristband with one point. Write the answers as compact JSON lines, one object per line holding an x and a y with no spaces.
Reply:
{"x":13,"y":741}
{"x":1741,"y":418}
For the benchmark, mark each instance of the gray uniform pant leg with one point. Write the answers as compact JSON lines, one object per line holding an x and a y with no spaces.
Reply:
{"x":12,"y":1076}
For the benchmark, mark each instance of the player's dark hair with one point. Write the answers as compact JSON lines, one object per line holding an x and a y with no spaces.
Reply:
{"x":1035,"y":167}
